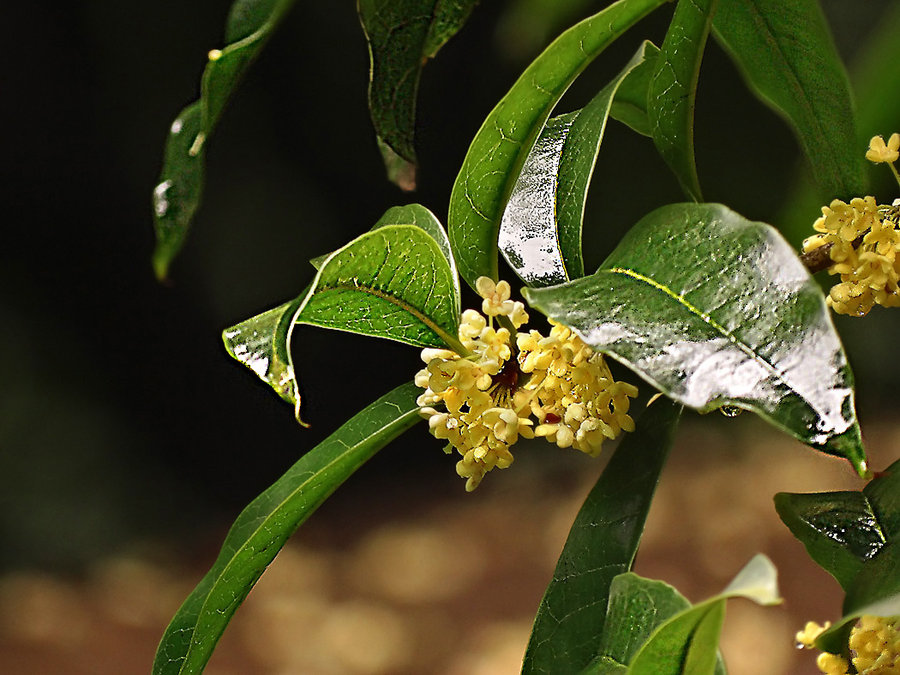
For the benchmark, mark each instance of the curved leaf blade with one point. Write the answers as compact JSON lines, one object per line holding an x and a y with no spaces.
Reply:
{"x":499,"y":149}
{"x":268,"y":521}
{"x":392,"y":282}
{"x":673,"y":90}
{"x":601,"y":544}
{"x":402,"y":36}
{"x":630,"y":105}
{"x":540,"y":231}
{"x":178,"y":192}
{"x":787,"y":55}
{"x":713,"y":309}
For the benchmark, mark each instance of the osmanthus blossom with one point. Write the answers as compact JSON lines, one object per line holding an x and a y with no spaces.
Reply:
{"x":874,"y":647}
{"x":863,"y":239}
{"x":515,"y":385}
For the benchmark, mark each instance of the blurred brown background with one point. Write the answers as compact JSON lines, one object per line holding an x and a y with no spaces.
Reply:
{"x":129,"y":440}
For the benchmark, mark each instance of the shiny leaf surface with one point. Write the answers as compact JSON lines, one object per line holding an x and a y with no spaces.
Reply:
{"x":713,"y":309}
{"x":499,"y":149}
{"x":265,"y":525}
{"x":788,"y":57}
{"x":177,"y":194}
{"x":853,"y":536}
{"x":540,"y":232}
{"x":673,"y":89}
{"x":601,"y":544}
{"x":402,"y":35}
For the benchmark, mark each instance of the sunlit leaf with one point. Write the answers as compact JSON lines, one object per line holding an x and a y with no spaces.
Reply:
{"x":177,"y":194}
{"x":402,"y":36}
{"x":499,"y":149}
{"x":673,"y":88}
{"x":540,"y":232}
{"x":788,"y":57}
{"x":601,"y":544}
{"x":265,"y":525}
{"x":713,"y":309}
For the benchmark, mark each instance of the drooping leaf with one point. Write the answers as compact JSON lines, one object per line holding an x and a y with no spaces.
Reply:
{"x":855,"y":537}
{"x":601,"y":544}
{"x":787,"y":55}
{"x":653,"y":630}
{"x":177,"y":194}
{"x":673,"y":89}
{"x":407,"y":269}
{"x":402,"y":36}
{"x":265,"y":525}
{"x":630,"y":104}
{"x":713,"y":309}
{"x":540,"y":232}
{"x":499,"y":149}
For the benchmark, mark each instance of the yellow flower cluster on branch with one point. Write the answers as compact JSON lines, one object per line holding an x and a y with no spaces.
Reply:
{"x":555,"y":387}
{"x":862,"y":240}
{"x":874,"y":647}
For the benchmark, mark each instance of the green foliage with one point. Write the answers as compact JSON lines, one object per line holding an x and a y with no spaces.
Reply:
{"x":758,"y":337}
{"x":262,"y":528}
{"x":709,"y":308}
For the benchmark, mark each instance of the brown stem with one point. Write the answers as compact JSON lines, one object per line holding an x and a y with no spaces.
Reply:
{"x":820,"y":258}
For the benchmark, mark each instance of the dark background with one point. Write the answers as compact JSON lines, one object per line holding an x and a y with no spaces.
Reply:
{"x":121,"y":416}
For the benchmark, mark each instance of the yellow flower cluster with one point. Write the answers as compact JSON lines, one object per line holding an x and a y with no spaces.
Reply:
{"x":874,"y":644}
{"x":492,"y":396}
{"x":863,"y":240}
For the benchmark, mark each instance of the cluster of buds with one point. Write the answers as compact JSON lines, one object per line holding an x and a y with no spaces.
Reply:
{"x":510,"y":386}
{"x":862,"y":239}
{"x":874,"y":647}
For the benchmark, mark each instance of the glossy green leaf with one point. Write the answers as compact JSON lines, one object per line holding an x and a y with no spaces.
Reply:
{"x":499,"y":149}
{"x":713,"y":309}
{"x":844,"y":531}
{"x":673,"y":89}
{"x":262,"y":343}
{"x":540,"y":232}
{"x":601,"y":544}
{"x":265,"y":525}
{"x":402,"y":36}
{"x":177,"y":195}
{"x":655,"y":631}
{"x":787,"y":55}
{"x":630,"y":104}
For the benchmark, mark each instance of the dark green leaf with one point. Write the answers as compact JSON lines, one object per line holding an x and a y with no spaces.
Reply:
{"x":687,"y":643}
{"x":601,"y":544}
{"x":713,"y":309}
{"x":844,"y":531}
{"x":402,"y":35}
{"x":835,"y":639}
{"x":630,"y":104}
{"x":540,"y":232}
{"x":787,"y":55}
{"x":499,"y":149}
{"x":673,"y":89}
{"x":263,"y":527}
{"x":177,"y":195}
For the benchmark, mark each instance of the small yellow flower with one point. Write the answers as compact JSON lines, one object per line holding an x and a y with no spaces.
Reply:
{"x":874,"y":647}
{"x":879,"y":152}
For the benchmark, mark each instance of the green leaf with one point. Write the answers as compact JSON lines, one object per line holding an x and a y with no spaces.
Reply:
{"x":262,"y":343}
{"x":630,"y":104}
{"x":177,"y":194}
{"x":673,"y":89}
{"x":540,"y":232}
{"x":682,"y":641}
{"x":601,"y":544}
{"x":787,"y":55}
{"x":402,"y":36}
{"x":499,"y":149}
{"x":835,"y":639}
{"x":845,"y":532}
{"x":392,"y":282}
{"x":713,"y":309}
{"x":265,"y":525}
